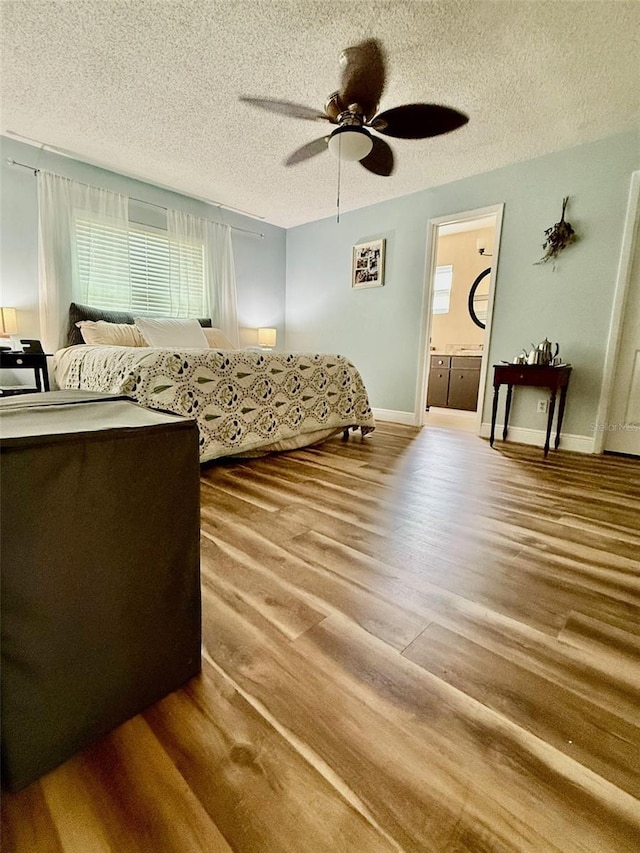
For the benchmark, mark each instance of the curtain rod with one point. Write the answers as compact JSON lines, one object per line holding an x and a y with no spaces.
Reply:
{"x":35,"y":171}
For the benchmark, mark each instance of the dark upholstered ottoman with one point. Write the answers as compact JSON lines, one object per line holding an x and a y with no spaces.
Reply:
{"x":99,"y":502}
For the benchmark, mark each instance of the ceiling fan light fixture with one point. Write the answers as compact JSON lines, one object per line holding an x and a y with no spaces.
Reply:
{"x":352,"y":109}
{"x":350,"y":143}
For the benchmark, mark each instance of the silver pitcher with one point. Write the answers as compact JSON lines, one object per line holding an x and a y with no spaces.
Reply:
{"x":543,"y":353}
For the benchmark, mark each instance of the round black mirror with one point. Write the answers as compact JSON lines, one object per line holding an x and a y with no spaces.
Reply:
{"x":479,"y":299}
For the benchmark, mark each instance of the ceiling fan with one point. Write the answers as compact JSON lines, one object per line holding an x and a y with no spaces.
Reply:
{"x":353,"y":108}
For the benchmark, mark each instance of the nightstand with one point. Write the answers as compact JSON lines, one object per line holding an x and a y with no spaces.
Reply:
{"x":33,"y":358}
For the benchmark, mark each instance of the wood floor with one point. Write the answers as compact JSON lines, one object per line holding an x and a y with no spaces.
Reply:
{"x":412,"y":643}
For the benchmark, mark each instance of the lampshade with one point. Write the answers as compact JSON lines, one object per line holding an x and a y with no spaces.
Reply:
{"x":8,"y":321}
{"x":350,"y":142}
{"x":267,"y":338}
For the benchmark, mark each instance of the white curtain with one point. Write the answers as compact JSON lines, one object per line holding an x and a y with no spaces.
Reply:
{"x":60,"y":202}
{"x":219,"y":269}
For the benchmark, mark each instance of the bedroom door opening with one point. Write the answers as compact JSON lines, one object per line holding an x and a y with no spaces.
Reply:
{"x":461,"y":260}
{"x":618,"y":422}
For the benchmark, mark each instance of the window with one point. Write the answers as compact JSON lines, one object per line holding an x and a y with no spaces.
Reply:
{"x":442,"y":282}
{"x":141,"y":269}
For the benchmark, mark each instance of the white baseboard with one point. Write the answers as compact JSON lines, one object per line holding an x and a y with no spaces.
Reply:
{"x":522,"y":435}
{"x":536,"y":437}
{"x":391,"y":415}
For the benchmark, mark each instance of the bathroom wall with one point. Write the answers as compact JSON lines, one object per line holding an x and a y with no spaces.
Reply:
{"x":456,"y":328}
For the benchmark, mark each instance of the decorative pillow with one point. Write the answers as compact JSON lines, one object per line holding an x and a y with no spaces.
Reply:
{"x":110,"y":334}
{"x":168,"y":332}
{"x":217,"y":339}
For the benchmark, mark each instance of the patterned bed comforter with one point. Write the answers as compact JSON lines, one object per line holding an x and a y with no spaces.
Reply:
{"x":243,"y":400}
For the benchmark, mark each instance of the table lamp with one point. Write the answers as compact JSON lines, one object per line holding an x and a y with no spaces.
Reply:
{"x":267,"y":338}
{"x":9,"y":327}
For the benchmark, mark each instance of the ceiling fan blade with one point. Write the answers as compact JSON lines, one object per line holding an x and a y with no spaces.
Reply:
{"x":306,"y":152}
{"x":286,"y":108}
{"x":418,"y":121}
{"x":363,"y":76}
{"x":380,"y":159}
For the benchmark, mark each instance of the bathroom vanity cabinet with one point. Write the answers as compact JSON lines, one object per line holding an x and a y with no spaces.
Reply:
{"x":454,"y":381}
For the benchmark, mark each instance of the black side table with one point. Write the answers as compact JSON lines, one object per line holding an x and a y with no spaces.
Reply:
{"x":30,"y":359}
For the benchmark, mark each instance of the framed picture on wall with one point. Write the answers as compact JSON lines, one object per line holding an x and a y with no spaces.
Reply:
{"x":368,"y":264}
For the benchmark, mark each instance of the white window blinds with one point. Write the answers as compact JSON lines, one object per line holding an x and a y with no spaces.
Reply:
{"x":442,"y":282}
{"x":141,"y":270}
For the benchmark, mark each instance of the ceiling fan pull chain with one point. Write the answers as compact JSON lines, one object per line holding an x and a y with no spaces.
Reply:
{"x":338,"y":197}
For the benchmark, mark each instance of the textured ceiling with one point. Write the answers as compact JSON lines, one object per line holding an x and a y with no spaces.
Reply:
{"x":151,"y":89}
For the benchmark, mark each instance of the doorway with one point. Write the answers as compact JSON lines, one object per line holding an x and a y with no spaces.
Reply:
{"x":462,"y":255}
{"x":618,"y":422}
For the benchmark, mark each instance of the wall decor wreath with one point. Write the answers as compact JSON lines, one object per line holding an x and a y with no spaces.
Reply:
{"x":558,"y":237}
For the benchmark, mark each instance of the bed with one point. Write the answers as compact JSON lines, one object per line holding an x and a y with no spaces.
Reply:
{"x":245,"y":401}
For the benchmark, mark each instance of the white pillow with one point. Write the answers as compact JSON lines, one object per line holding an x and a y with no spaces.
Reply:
{"x":168,"y":332}
{"x":110,"y":334}
{"x":217,"y":339}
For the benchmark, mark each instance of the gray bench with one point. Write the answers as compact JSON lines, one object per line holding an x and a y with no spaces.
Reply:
{"x":99,"y":502}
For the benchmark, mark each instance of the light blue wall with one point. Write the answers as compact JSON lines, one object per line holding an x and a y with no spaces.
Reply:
{"x":379,"y":328}
{"x":260,"y":264}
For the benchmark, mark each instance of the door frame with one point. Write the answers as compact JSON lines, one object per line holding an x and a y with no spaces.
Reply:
{"x":623,"y":277}
{"x":426,"y":313}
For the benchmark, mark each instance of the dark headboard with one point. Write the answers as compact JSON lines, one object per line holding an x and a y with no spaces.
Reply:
{"x":79,"y":312}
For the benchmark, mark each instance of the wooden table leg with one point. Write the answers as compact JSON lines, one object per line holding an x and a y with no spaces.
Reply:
{"x":507,"y":411}
{"x":563,"y":400}
{"x":494,"y":412}
{"x":552,"y":408}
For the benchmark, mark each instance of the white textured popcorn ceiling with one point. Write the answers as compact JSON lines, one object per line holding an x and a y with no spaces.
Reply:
{"x":151,"y":89}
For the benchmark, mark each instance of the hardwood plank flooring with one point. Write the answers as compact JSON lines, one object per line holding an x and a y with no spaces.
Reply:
{"x":411,"y":643}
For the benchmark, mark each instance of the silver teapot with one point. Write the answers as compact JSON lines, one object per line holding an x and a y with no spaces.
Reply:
{"x":543,"y":353}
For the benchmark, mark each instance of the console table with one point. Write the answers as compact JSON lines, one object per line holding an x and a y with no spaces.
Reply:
{"x":536,"y":376}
